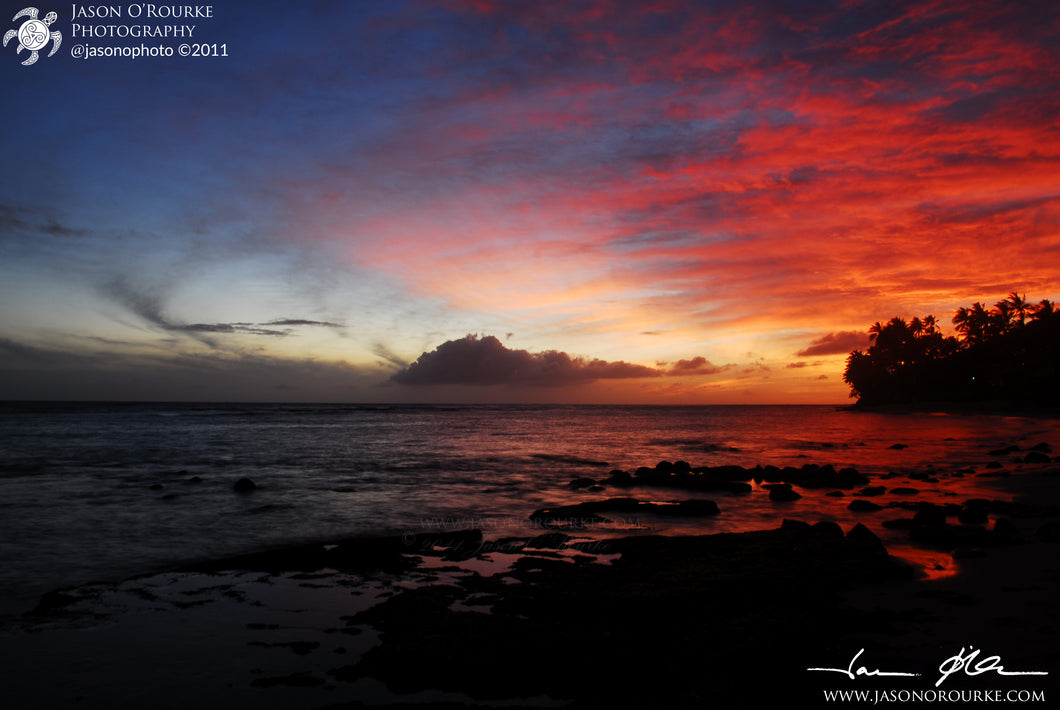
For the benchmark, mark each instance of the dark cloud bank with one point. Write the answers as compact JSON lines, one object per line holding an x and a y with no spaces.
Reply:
{"x":475,"y":360}
{"x":28,"y":372}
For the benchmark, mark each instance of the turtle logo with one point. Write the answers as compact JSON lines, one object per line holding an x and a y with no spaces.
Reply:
{"x":34,"y":34}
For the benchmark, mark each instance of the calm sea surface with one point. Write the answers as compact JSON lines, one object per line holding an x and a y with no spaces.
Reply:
{"x":93,"y":492}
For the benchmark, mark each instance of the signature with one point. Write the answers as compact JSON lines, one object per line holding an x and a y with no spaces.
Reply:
{"x":862,"y":670}
{"x":969,"y":662}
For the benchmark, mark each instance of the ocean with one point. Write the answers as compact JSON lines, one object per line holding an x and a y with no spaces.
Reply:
{"x":101,"y":492}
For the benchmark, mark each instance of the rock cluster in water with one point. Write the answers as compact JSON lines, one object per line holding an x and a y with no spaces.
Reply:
{"x":584,"y":514}
{"x":727,"y":479}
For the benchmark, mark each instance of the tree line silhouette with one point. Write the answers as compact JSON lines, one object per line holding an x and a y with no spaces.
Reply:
{"x":1008,"y":352}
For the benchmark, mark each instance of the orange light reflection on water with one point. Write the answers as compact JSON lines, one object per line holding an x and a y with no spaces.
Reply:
{"x":933,"y":564}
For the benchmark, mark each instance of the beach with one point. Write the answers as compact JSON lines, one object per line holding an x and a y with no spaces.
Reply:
{"x":623,"y":591}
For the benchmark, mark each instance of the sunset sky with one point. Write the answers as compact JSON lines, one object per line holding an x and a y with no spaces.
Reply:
{"x":540,"y":201}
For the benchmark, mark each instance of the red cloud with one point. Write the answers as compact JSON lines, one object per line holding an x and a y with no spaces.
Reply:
{"x":835,"y":344}
{"x":696,"y":366}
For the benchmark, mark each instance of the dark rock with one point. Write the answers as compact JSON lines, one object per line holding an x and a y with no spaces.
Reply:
{"x":621,"y":505}
{"x":656,"y":584}
{"x":898,"y":447}
{"x":872,"y":491}
{"x":899,"y":524}
{"x":1004,"y":530}
{"x":647,"y":473}
{"x":447,"y":544}
{"x":828,"y":528}
{"x":157,"y":486}
{"x":982,"y":504}
{"x":383,"y":553}
{"x":852,"y":474}
{"x":947,"y":536}
{"x":905,"y":491}
{"x":836,"y":494}
{"x":975,"y":510}
{"x":244,"y":485}
{"x":859,"y":505}
{"x":50,"y":601}
{"x":1042,"y":447}
{"x":299,"y":679}
{"x":1003,"y":451}
{"x":994,"y":464}
{"x":734,"y":479}
{"x":548,"y":541}
{"x":301,"y":648}
{"x":930,"y":515}
{"x":194,"y":479}
{"x":783,"y":494}
{"x":813,"y":476}
{"x":862,"y":535}
{"x":583,"y":514}
{"x":692,"y":507}
{"x":1036,"y":457}
{"x":554,"y":519}
{"x":595,"y":488}
{"x":1049,"y":532}
{"x":972,"y":516}
{"x":967,"y":552}
{"x":796,"y":526}
{"x":583,"y":482}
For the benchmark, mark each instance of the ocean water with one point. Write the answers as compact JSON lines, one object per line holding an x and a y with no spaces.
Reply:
{"x":97,"y":492}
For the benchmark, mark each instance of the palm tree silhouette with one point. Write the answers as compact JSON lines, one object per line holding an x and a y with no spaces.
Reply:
{"x":996,"y":354}
{"x":1043,"y":310}
{"x":973,"y":323}
{"x":962,"y":321}
{"x":1001,"y":318}
{"x":1019,"y":306}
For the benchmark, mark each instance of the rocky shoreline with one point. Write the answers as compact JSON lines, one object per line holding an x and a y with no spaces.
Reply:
{"x":563,"y":618}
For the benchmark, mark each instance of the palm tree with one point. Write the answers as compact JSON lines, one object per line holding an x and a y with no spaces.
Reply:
{"x":1019,"y":306}
{"x":1043,"y":310}
{"x":874,"y":330}
{"x":1001,"y":320}
{"x":930,"y":327}
{"x":962,"y":321}
{"x":892,"y":345}
{"x":973,"y":323}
